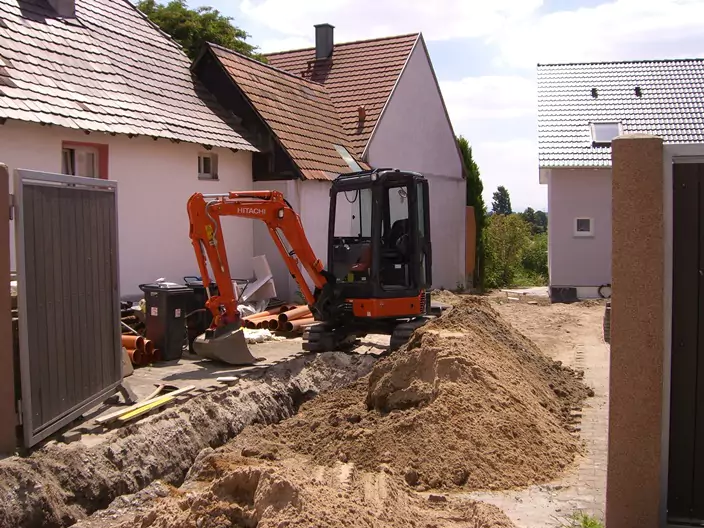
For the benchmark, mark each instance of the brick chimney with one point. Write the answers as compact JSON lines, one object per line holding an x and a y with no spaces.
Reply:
{"x":64,"y":8}
{"x":323,"y":41}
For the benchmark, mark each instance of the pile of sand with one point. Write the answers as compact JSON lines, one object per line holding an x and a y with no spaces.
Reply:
{"x":446,"y":297}
{"x":225,"y":489}
{"x":469,"y":403}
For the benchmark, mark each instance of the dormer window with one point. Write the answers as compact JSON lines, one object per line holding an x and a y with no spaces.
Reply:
{"x":604,"y":132}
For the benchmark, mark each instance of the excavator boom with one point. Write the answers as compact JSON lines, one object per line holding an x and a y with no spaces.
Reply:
{"x":205,"y":212}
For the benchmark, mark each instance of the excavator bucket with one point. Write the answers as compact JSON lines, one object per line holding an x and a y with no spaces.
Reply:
{"x":229,"y":347}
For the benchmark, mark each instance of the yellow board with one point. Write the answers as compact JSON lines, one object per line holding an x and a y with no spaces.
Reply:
{"x":146,"y":408}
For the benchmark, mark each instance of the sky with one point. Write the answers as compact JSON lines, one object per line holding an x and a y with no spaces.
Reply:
{"x":485,"y":54}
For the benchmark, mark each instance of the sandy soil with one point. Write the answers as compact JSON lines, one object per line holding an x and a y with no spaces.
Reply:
{"x":469,"y":403}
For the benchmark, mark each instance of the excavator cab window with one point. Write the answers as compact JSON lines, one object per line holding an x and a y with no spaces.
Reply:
{"x":397,"y":242}
{"x":352,"y":238}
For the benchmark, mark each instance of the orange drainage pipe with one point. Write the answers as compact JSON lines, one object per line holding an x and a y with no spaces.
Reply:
{"x":300,"y":311}
{"x":133,"y":342}
{"x":291,"y":326}
{"x":136,"y":356}
{"x":273,"y":324}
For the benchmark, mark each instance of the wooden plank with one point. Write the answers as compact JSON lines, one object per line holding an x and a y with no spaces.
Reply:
{"x":112,"y":416}
{"x":685,"y":323}
{"x":145,"y":408}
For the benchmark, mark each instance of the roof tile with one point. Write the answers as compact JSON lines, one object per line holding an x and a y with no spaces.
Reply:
{"x":361,"y":73}
{"x":111,"y":70}
{"x":300,"y":113}
{"x":671,"y":106}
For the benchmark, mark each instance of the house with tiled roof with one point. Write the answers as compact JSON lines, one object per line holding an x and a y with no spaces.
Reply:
{"x":581,"y":109}
{"x":92,"y":88}
{"x":342,"y":107}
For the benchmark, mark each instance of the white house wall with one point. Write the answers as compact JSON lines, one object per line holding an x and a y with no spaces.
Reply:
{"x":311,"y":200}
{"x":414,"y":133}
{"x":155,"y":180}
{"x":581,"y":262}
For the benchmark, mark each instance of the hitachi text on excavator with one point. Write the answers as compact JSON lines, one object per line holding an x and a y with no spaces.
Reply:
{"x":379,"y":261}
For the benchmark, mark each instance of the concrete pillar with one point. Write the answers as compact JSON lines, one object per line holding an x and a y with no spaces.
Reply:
{"x":633,"y":495}
{"x":8,"y":418}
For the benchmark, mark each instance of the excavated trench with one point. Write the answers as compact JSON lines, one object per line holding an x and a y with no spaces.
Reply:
{"x":60,"y":484}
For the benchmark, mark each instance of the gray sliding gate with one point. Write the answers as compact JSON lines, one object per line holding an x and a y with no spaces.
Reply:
{"x":69,"y":305}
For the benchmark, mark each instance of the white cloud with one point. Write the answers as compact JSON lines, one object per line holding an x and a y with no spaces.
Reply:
{"x":619,"y":30}
{"x":513,"y":164}
{"x":358,"y":19}
{"x":489,"y":97}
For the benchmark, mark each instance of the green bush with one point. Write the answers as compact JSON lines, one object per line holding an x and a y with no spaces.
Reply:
{"x":535,"y":258}
{"x":515,"y":256}
{"x":507,"y":239}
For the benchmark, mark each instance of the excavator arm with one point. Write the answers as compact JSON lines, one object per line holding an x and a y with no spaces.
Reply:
{"x":205,"y":211}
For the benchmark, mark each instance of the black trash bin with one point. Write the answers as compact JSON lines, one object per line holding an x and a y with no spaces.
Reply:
{"x":199,"y":317}
{"x":167,"y":306}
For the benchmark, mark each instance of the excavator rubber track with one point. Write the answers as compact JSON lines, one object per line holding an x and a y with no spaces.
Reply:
{"x":321,"y":338}
{"x":403,"y":332}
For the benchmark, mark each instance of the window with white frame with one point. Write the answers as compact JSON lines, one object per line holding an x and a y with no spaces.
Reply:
{"x":583,"y":226}
{"x":207,"y":166}
{"x":603,"y":133}
{"x":80,"y":161}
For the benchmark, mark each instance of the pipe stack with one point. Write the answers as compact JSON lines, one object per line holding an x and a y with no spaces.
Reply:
{"x":291,"y":318}
{"x":268,"y":319}
{"x":141,"y":351}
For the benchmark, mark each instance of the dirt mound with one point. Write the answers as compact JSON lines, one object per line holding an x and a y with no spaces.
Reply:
{"x":225,"y":489}
{"x":469,"y":402}
{"x":446,"y":297}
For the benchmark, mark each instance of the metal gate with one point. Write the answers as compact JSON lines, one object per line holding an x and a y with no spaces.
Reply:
{"x":686,"y":457}
{"x":69,"y":306}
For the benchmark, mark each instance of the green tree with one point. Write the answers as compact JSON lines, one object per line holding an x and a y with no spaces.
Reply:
{"x":541,"y":220}
{"x":502,"y":201}
{"x":529,"y":215}
{"x":475,"y":188}
{"x":194,"y":27}
{"x":538,"y":220}
{"x":507,"y":239}
{"x":535,"y":259}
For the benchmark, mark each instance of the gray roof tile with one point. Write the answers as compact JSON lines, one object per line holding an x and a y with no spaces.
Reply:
{"x":111,"y":70}
{"x":671,"y":106}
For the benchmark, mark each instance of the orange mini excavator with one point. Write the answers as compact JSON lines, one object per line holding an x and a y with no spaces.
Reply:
{"x":379,"y":261}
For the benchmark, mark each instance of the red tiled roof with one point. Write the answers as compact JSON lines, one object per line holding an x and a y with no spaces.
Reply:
{"x":359,"y":73}
{"x":108,"y":70}
{"x":298,"y":111}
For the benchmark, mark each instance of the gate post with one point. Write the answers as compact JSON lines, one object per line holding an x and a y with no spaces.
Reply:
{"x":633,"y":495}
{"x":8,"y":417}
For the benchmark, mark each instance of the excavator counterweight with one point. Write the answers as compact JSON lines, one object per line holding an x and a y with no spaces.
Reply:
{"x":379,"y":260}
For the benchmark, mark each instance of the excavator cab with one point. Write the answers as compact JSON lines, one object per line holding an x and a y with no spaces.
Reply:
{"x":379,"y":255}
{"x":379,"y":237}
